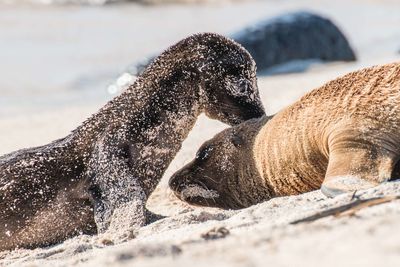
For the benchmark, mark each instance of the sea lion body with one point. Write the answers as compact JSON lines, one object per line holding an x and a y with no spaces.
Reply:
{"x":100,"y":176}
{"x":341,"y":137}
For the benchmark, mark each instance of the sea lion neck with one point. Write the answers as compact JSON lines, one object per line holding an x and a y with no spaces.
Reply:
{"x":169,"y":115}
{"x":263,"y":191}
{"x":156,"y":94}
{"x":148,"y":121}
{"x":247,"y":172}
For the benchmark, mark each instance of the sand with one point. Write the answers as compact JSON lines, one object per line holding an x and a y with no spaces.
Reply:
{"x":41,"y":104}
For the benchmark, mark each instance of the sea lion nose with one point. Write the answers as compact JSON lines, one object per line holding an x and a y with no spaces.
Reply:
{"x":255,"y":110}
{"x":258,"y":111}
{"x":172,"y":183}
{"x":177,"y":180}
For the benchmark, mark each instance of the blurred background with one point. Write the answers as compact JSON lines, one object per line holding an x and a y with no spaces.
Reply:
{"x":61,"y":60}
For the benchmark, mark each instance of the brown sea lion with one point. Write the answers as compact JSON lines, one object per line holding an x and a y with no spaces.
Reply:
{"x":100,"y":176}
{"x":341,"y":137}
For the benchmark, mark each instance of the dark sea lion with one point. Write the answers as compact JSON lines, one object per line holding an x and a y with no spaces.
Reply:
{"x":341,"y":137}
{"x":294,"y":36}
{"x":100,"y":176}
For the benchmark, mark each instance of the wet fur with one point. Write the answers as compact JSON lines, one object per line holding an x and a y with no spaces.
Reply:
{"x":99,"y":177}
{"x":343,"y":136}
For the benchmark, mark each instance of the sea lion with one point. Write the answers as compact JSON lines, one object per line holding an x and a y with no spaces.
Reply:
{"x":100,"y":176}
{"x":341,"y":137}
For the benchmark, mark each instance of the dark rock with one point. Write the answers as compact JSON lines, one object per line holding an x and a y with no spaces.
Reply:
{"x":294,"y":36}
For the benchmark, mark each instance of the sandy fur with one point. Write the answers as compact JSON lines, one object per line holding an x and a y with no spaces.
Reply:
{"x":348,"y":128}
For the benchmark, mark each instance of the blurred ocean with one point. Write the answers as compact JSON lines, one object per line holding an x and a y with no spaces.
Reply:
{"x":56,"y":56}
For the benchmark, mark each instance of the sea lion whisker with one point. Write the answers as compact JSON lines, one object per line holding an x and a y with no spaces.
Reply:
{"x":208,"y":177}
{"x":206,"y":188}
{"x":203,"y":185}
{"x":202,"y":169}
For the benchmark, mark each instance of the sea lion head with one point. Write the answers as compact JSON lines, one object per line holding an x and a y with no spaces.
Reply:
{"x":223,"y":172}
{"x":222,"y":72}
{"x":229,"y":81}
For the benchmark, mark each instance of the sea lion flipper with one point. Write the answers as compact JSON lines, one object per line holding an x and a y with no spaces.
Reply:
{"x":132,"y":212}
{"x":338,"y":185}
{"x":119,"y":214}
{"x":115,"y":190}
{"x":126,"y":220}
{"x":353,"y":167}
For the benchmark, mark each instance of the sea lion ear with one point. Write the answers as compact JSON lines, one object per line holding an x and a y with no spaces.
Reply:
{"x":237,"y":141}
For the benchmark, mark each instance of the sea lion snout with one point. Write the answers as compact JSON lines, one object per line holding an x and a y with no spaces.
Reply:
{"x":177,"y":181}
{"x":238,"y":103}
{"x":187,"y":188}
{"x":246,"y":94}
{"x":229,"y":83}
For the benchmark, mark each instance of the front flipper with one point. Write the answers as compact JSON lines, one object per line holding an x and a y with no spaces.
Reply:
{"x":126,"y":220}
{"x":118,"y":196}
{"x":357,"y":166}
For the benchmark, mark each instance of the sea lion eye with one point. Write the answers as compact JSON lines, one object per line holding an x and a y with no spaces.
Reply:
{"x":237,"y":141}
{"x":204,"y":153}
{"x":244,"y":86}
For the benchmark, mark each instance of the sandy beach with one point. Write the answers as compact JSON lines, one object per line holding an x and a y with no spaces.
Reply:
{"x":57,"y":63}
